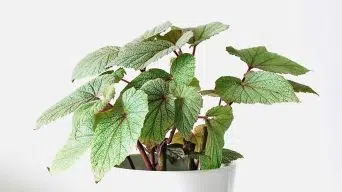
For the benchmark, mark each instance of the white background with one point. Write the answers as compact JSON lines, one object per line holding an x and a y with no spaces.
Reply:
{"x":287,"y":147}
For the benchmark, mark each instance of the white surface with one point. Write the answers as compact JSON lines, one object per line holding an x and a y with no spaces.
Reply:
{"x":287,"y":147}
{"x":218,"y":180}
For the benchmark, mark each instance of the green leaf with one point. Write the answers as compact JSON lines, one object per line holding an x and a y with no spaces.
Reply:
{"x":161,"y":113}
{"x":117,"y":131}
{"x":119,"y":74}
{"x":183,"y":69}
{"x":218,"y":122}
{"x":204,"y":32}
{"x":91,"y":91}
{"x":259,"y":57}
{"x":81,"y":137}
{"x":195,"y":83}
{"x":229,"y":155}
{"x":143,"y":77}
{"x":258,"y":87}
{"x":95,"y":63}
{"x":188,"y":105}
{"x":297,"y":87}
{"x":140,"y":55}
{"x":172,"y":36}
{"x":151,"y":33}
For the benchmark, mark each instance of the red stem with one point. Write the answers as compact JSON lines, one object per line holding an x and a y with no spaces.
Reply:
{"x":144,"y":156}
{"x":194,"y":50}
{"x":126,"y":81}
{"x":203,"y":117}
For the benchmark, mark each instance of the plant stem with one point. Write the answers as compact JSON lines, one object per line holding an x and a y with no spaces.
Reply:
{"x":220,"y":101}
{"x":180,"y":51}
{"x":130,"y":162}
{"x":143,"y":69}
{"x":126,"y":81}
{"x":176,"y":53}
{"x":194,"y":50}
{"x":144,"y":156}
{"x":203,"y":117}
{"x":153,"y":157}
{"x":172,"y":133}
{"x":161,"y":151}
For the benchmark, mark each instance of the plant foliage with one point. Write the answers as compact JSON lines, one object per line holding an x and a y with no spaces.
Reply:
{"x":158,"y":111}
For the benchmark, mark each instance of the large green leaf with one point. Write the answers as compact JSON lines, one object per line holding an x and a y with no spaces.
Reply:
{"x":143,"y":77}
{"x":173,"y":35}
{"x":141,"y":54}
{"x":151,"y":33}
{"x":229,"y":155}
{"x":161,"y":113}
{"x":188,"y":105}
{"x":258,"y":87}
{"x":95,"y":63}
{"x":91,"y":91}
{"x":297,"y":87}
{"x":259,"y":57}
{"x":183,"y":69}
{"x":81,"y":137}
{"x":204,"y":32}
{"x":117,"y":131}
{"x":218,"y":121}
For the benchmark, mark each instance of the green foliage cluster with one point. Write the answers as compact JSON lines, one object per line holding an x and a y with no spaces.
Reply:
{"x":157,"y":110}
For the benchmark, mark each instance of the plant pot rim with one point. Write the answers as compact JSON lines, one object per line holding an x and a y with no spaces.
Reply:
{"x":224,"y":168}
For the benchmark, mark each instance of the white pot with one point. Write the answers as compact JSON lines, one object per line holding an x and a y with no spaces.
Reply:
{"x":216,"y":180}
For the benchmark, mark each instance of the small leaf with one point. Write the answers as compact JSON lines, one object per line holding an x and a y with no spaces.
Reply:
{"x":218,"y":122}
{"x":204,"y":32}
{"x":173,"y":154}
{"x":188,"y":105}
{"x":161,"y":113}
{"x":80,"y":139}
{"x":229,"y":155}
{"x":183,"y":69}
{"x":151,"y":33}
{"x":259,"y":57}
{"x":95,"y":63}
{"x":258,"y":87}
{"x":297,"y":87}
{"x":195,"y":83}
{"x":119,"y":74}
{"x":117,"y":131}
{"x":172,"y":36}
{"x":144,"y":77}
{"x":140,"y":55}
{"x":196,"y":137}
{"x":91,"y":91}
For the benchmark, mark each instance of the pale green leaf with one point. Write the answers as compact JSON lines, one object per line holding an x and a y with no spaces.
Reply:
{"x":161,"y":113}
{"x":218,"y":122}
{"x":188,"y":105}
{"x":204,"y":32}
{"x":91,"y":91}
{"x":183,"y":69}
{"x":143,"y":77}
{"x":297,"y":87}
{"x":117,"y":131}
{"x":81,"y":137}
{"x":229,"y":155}
{"x":258,"y":87}
{"x":140,"y":55}
{"x":259,"y":57}
{"x":95,"y":63}
{"x":151,"y":33}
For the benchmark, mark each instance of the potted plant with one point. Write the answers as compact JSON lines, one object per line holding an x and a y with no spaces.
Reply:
{"x":157,"y":111}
